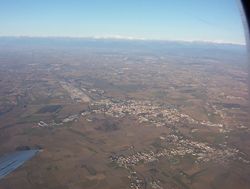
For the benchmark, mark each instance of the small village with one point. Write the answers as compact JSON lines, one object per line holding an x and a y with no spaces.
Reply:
{"x":147,"y":112}
{"x":172,"y":147}
{"x":179,"y":147}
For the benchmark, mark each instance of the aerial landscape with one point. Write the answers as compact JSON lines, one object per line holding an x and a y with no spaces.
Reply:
{"x":108,"y":94}
{"x":113,"y":113}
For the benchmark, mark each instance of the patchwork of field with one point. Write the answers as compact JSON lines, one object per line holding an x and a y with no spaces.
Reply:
{"x":125,"y":117}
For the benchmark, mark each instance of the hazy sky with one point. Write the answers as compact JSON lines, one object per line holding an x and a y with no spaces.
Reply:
{"x":206,"y":20}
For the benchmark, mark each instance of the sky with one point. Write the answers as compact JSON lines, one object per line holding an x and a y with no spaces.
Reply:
{"x":188,"y":20}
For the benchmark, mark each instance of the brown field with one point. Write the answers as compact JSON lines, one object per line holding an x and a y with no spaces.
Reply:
{"x":125,"y":119}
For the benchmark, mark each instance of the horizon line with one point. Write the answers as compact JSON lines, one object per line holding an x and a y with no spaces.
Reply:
{"x":128,"y":38}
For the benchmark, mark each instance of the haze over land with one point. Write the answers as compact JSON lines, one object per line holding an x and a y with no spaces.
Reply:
{"x":112,"y":113}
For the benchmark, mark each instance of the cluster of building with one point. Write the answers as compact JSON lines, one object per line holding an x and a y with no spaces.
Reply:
{"x":135,"y":181}
{"x":156,"y":184}
{"x":179,"y":147}
{"x":132,"y":160}
{"x":44,"y":124}
{"x":147,"y":112}
{"x":68,"y":119}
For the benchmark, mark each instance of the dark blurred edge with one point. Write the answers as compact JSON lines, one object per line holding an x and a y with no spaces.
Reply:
{"x":246,"y":9}
{"x":245,"y":14}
